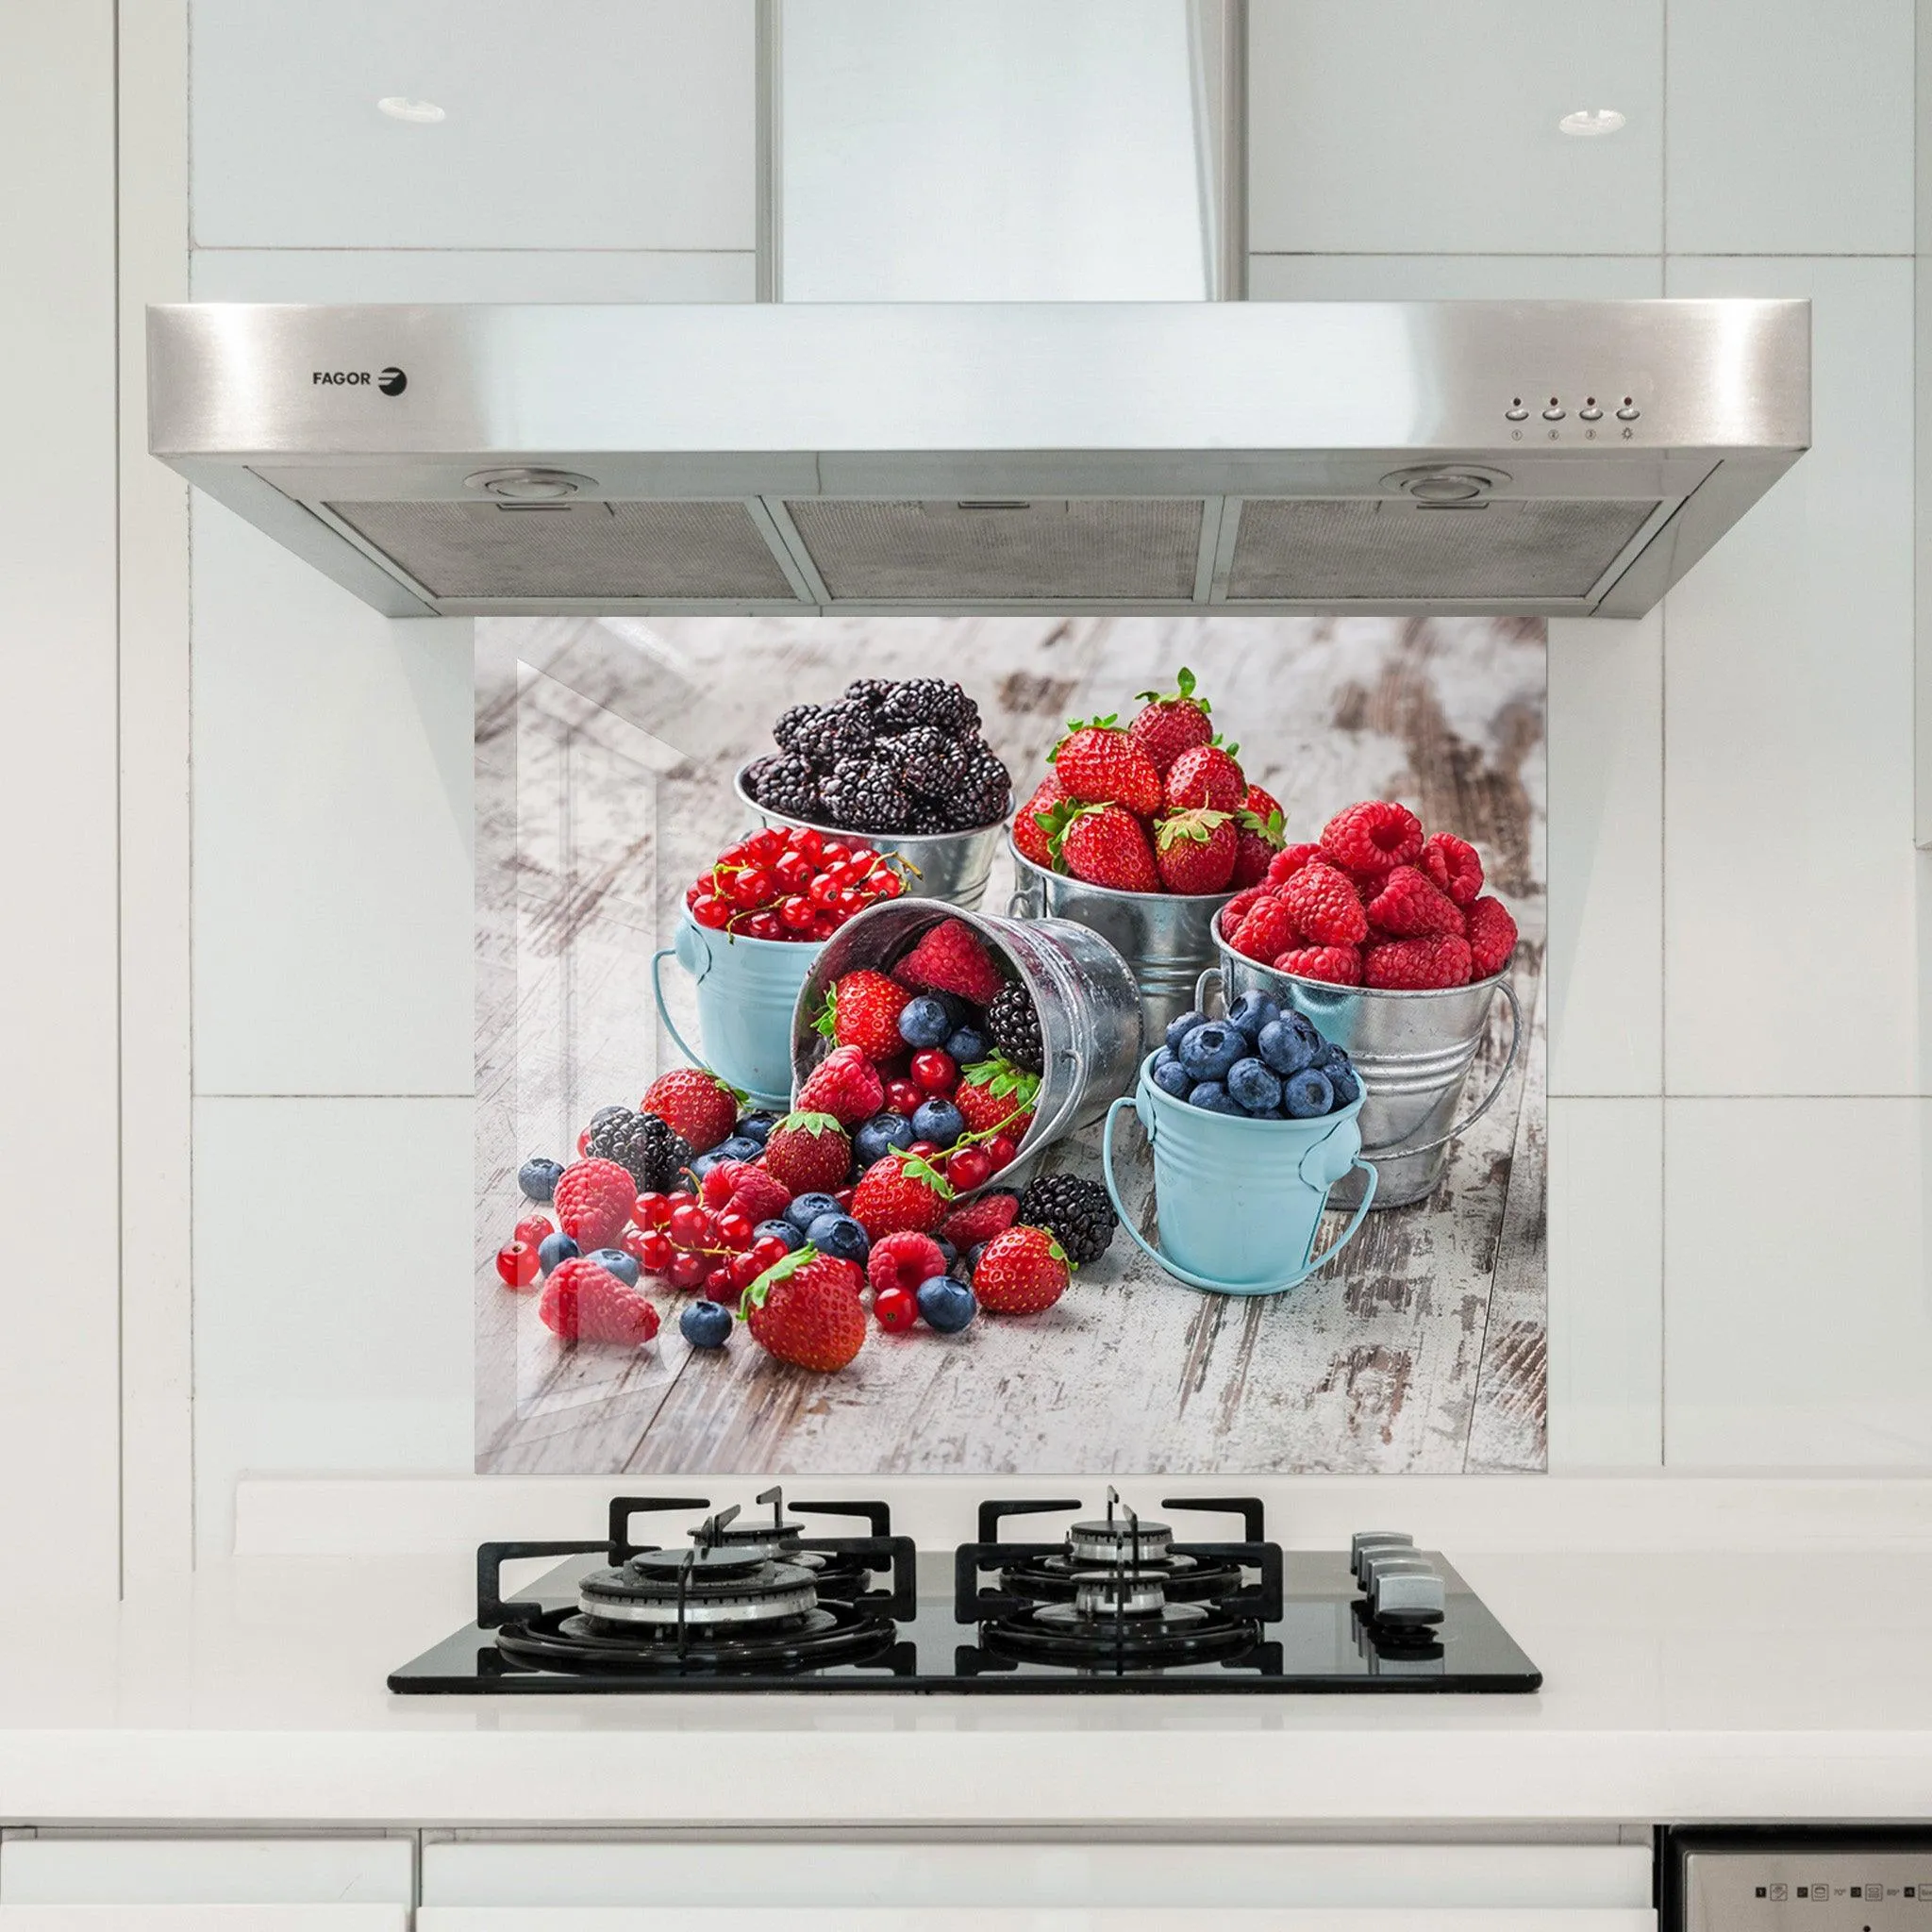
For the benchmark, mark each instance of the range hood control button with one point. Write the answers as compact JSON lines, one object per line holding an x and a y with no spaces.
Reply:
{"x":1554,"y":413}
{"x":1590,"y":413}
{"x":1515,"y":413}
{"x":1628,"y":413}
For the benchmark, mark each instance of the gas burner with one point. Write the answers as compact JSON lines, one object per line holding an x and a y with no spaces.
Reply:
{"x":824,"y":1634}
{"x":1120,"y":1539}
{"x":703,"y":1587}
{"x":1140,"y":1635}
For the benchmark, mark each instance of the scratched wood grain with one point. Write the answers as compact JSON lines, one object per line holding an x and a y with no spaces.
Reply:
{"x":604,"y":755}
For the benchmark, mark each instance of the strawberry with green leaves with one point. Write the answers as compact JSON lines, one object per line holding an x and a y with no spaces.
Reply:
{"x":862,"y":1010}
{"x":808,"y":1152}
{"x":1196,"y":850}
{"x":1035,"y":822}
{"x":1260,"y":832}
{"x":1171,"y":722}
{"x":1022,"y":1271}
{"x":1098,"y":763}
{"x":1208,"y":776}
{"x":903,"y":1191}
{"x":995,"y":1096}
{"x":806,"y":1310}
{"x":845,"y":1084}
{"x":1107,"y":845}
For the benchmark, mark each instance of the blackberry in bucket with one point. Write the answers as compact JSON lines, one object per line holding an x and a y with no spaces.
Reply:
{"x":1014,"y":1024}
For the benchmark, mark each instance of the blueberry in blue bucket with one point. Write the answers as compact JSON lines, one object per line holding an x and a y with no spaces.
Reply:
{"x":1210,"y":1096}
{"x":1169,"y":1076}
{"x":1209,"y":1050}
{"x":1342,"y":1077}
{"x":1251,"y":1013}
{"x":1307,"y":1094}
{"x":1289,"y":1044}
{"x":1177,"y":1030}
{"x":1253,"y":1086}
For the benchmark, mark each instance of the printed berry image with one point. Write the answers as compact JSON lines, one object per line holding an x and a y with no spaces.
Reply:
{"x":790,"y":884}
{"x":1374,"y":902}
{"x":889,"y":757}
{"x":1262,"y":1062}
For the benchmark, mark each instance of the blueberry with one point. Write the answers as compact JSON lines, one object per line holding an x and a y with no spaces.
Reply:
{"x":1289,"y":1044}
{"x":706,"y":1162}
{"x":923,"y":1022}
{"x":947,"y":1249}
{"x":1210,"y":1096}
{"x":808,"y":1208}
{"x":739,"y":1147}
{"x":967,"y":1045}
{"x":1347,"y":1087}
{"x":1253,"y":1086}
{"x":879,"y":1136}
{"x":1209,"y":1050}
{"x":1308,"y":1095}
{"x":968,"y":1264}
{"x":1171,"y":1077}
{"x":1177,"y":1030}
{"x":940,"y":1122}
{"x":779,"y":1231}
{"x":946,"y":1305}
{"x":536,"y":1178}
{"x":1329,"y":1055}
{"x":615,"y":1261}
{"x":705,"y":1324}
{"x":553,"y":1248}
{"x":838,"y":1234}
{"x":1252,"y":1012}
{"x":757,"y":1127}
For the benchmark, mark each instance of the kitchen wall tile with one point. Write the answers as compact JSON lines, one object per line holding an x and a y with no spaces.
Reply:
{"x":1797,"y":1322}
{"x":332,"y":831}
{"x":578,"y":124}
{"x":1398,"y":126}
{"x":1453,"y":277}
{"x":1605,"y":1284}
{"x":1606,"y":730}
{"x":452,"y":274}
{"x":1788,"y":706}
{"x":1790,"y":134}
{"x":315,"y":1351}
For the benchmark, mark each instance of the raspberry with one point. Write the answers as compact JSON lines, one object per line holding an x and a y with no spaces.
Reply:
{"x":904,"y":1261}
{"x":1418,"y":965}
{"x":979,"y":1220}
{"x":1373,"y":836}
{"x":950,"y":958}
{"x":1453,"y":864}
{"x":1240,"y":907}
{"x":1324,"y":906}
{"x":1288,"y":861}
{"x":845,"y":1084}
{"x":593,"y":1200}
{"x":757,"y":1194}
{"x":1337,"y":965}
{"x":1491,"y":938}
{"x":582,"y":1302}
{"x":1266,"y":931}
{"x":1410,"y":906}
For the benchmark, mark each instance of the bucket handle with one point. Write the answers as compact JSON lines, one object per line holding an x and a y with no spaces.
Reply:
{"x":1202,"y":1281}
{"x":1397,"y":1150}
{"x":657,"y":960}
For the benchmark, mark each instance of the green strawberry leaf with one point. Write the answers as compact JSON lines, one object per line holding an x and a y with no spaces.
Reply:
{"x":1183,"y":693}
{"x":1233,"y":750}
{"x":917,"y":1167}
{"x":826,"y":1025}
{"x":1056,"y":823}
{"x":1001,"y":1077}
{"x":1273,"y":828}
{"x":754,"y":1296}
{"x":1198,"y":825}
{"x":1110,"y":722}
{"x":812,"y":1123}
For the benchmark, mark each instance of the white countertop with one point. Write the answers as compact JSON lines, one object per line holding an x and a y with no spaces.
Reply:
{"x":1676,"y":1687}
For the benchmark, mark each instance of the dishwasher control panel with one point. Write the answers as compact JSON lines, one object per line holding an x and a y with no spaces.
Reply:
{"x":1765,"y":1879}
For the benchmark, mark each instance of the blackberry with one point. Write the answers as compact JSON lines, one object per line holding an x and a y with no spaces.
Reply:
{"x":984,"y":792}
{"x":649,"y":1149}
{"x":871,"y":691}
{"x":929,"y":820}
{"x":930,"y":764}
{"x":865,"y":795}
{"x":792,"y":726}
{"x":1076,"y":1212}
{"x":785,"y":784}
{"x":1015,"y":1028}
{"x":930,"y":701}
{"x":839,"y":731}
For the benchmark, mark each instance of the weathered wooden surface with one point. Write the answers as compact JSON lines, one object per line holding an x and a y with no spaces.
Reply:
{"x":603,"y":767}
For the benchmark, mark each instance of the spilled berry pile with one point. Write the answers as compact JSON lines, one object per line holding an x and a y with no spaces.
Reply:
{"x":1261,"y":1063}
{"x":790,"y":885}
{"x":1374,"y":902}
{"x":888,"y":756}
{"x":1158,"y":805}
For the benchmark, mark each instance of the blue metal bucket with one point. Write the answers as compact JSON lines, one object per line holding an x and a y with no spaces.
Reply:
{"x":746,"y":992}
{"x":1240,"y":1201}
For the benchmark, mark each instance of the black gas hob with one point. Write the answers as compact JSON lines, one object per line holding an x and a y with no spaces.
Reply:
{"x":1116,"y":1601}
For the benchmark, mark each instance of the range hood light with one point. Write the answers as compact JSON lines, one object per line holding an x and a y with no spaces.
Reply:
{"x":400,"y":107}
{"x":1588,"y":122}
{"x":530,"y":485}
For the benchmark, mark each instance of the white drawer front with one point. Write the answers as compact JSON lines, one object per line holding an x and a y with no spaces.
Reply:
{"x":179,"y":1918}
{"x":1024,"y":1919}
{"x":81,"y":1870}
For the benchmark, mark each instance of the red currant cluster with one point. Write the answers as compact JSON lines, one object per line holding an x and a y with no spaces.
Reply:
{"x":703,"y":1243}
{"x":790,"y":885}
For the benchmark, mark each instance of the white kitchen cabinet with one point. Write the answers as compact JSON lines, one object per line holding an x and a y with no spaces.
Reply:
{"x":257,"y":1876}
{"x":199,"y":1918}
{"x":1022,"y":1919}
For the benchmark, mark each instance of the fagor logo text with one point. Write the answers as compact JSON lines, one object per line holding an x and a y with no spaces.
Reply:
{"x":390,"y":381}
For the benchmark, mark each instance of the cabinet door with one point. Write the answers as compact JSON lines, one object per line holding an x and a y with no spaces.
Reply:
{"x":779,"y":1918}
{"x":124,"y":1918}
{"x":201,"y":1872}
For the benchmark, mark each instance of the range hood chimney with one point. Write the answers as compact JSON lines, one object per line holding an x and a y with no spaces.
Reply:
{"x":900,"y":449}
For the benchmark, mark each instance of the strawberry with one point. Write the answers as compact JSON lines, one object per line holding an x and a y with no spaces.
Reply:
{"x":994,"y":1095}
{"x":904,"y":1261}
{"x":592,"y":1200}
{"x":758,"y":1194}
{"x":950,"y":959}
{"x":862,"y":1010}
{"x":1257,"y":839}
{"x":1491,"y":938}
{"x":901,"y":1192}
{"x":583,"y":1302}
{"x":1208,"y":776}
{"x":1106,"y":845}
{"x":1170,"y":722}
{"x":808,"y":1152}
{"x":1454,"y":864}
{"x":1034,"y":824}
{"x":1417,"y":965}
{"x":1289,"y":860}
{"x":1195,"y":851}
{"x":806,"y":1310}
{"x":1338,"y":965}
{"x":1022,"y":1271}
{"x":1100,"y":764}
{"x":1264,"y":805}
{"x":694,"y":1103}
{"x":845,"y":1084}
{"x":979,"y":1218}
{"x":1268,"y":929}
{"x":1324,"y":906}
{"x":1412,"y":906}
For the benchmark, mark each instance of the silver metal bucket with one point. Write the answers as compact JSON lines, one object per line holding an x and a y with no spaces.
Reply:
{"x":1413,"y":1052}
{"x":1089,"y":1006}
{"x":952,"y":866}
{"x":1165,"y":937}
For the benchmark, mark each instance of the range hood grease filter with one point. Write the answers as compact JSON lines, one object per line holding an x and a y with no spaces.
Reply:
{"x":986,"y":457}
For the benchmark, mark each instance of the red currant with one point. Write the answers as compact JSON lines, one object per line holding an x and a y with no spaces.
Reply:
{"x":823,"y":890}
{"x":653,"y":1249}
{"x":744,"y":1270}
{"x":516,"y":1261}
{"x":769,"y":1252}
{"x":735,"y":1229}
{"x":736,"y":855}
{"x":859,"y":857}
{"x":968,"y":1168}
{"x":749,"y":887}
{"x":687,"y":1271}
{"x":652,"y":1210}
{"x":766,"y":845}
{"x":765,"y":925}
{"x":886,"y":885}
{"x":583,"y":1144}
{"x":692,"y":891}
{"x":935,"y":1070}
{"x":691,"y":1227}
{"x":719,"y":1286}
{"x":923,"y":1150}
{"x":851,"y":901}
{"x":797,"y":913}
{"x":792,"y":871}
{"x":710,"y":912}
{"x":1000,"y":1151}
{"x":824,"y":925}
{"x":895,"y":1308}
{"x":833,"y":853}
{"x":811,"y":844}
{"x":905,"y":1096}
{"x":719,"y":1184}
{"x":532,"y":1228}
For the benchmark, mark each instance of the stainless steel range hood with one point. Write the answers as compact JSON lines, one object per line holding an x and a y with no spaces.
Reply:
{"x":1553,"y":458}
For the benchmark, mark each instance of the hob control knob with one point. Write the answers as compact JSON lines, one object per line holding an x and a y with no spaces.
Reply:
{"x":1385,"y":1562}
{"x":1407,"y":1593}
{"x":1375,"y":1539}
